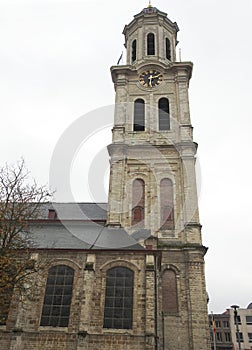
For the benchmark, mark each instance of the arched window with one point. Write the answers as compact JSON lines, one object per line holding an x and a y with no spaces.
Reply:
{"x":150,"y":44}
{"x":168,"y":48}
{"x":164,"y":114}
{"x":139,"y":115}
{"x":118,"y":310}
{"x":166,"y":204}
{"x":134,"y":47}
{"x":58,"y":296}
{"x":138,"y":202}
{"x":169,"y":292}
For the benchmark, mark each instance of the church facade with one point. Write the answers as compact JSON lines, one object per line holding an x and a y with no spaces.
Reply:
{"x":128,"y":274}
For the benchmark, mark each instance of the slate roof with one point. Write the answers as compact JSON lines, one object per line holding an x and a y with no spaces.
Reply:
{"x":81,"y":235}
{"x":76,"y":211}
{"x":81,"y":226}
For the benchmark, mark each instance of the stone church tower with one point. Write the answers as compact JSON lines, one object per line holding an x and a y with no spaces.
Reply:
{"x":152,"y":192}
{"x":130,"y":274}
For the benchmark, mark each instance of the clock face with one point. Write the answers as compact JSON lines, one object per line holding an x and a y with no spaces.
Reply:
{"x":150,"y":78}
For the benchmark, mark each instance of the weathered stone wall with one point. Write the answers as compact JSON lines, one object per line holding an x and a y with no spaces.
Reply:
{"x":187,"y":329}
{"x":85,"y":330}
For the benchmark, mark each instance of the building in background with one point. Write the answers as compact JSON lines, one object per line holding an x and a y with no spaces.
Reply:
{"x":244,"y":318}
{"x":130,"y":274}
{"x":225,"y":332}
{"x":220,"y":331}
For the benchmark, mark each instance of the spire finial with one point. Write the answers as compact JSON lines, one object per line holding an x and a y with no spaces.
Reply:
{"x":150,"y":3}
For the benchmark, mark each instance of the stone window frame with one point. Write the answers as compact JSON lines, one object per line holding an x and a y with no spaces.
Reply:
{"x":176,"y":270}
{"x":134,"y":51}
{"x":104,"y":268}
{"x":149,"y":42}
{"x":172,"y":204}
{"x":174,"y":125}
{"x":140,"y":205}
{"x":134,"y":124}
{"x":76,"y":267}
{"x":164,"y":113}
{"x":132,"y":177}
{"x":168,"y":51}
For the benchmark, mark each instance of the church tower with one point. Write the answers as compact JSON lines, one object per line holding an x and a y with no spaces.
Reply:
{"x":132,"y":276}
{"x":152,"y":192}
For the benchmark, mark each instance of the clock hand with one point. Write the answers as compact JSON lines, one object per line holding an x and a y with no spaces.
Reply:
{"x":150,"y":79}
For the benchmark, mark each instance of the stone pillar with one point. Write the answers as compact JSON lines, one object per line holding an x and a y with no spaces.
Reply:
{"x":150,"y":302}
{"x":88,"y":285}
{"x":200,"y":339}
{"x":116,"y":184}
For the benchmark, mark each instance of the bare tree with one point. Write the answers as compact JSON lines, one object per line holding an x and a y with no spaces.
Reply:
{"x":21,"y":201}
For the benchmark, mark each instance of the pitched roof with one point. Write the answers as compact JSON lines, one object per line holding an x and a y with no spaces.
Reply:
{"x":82,"y":235}
{"x":81,"y":226}
{"x":76,"y":211}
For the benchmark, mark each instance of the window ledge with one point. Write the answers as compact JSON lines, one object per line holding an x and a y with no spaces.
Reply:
{"x":118,"y":331}
{"x":53,"y":329}
{"x":138,"y":132}
{"x":171,"y":314}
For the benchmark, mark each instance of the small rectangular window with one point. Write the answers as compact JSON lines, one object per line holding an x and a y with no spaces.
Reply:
{"x":226,"y":324}
{"x":249,"y":319}
{"x":227,"y":337}
{"x":250,"y":337}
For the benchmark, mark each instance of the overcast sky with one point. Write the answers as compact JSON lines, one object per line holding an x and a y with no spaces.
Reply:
{"x":55,"y":59}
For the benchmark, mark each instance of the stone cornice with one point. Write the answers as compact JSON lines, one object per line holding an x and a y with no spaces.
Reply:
{"x":181,"y":70}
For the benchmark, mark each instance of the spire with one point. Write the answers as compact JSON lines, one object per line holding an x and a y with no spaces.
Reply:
{"x":149,"y":4}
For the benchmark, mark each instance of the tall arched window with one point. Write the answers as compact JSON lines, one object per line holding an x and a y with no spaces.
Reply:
{"x":150,"y":44}
{"x":168,"y":48}
{"x":164,"y":114}
{"x":166,"y":204}
{"x":118,"y":310}
{"x":58,"y":296}
{"x":169,"y":292}
{"x":139,"y":115}
{"x":134,"y":47}
{"x":138,"y":202}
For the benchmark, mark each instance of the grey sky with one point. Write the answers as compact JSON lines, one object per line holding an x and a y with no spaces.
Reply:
{"x":55,"y":59}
